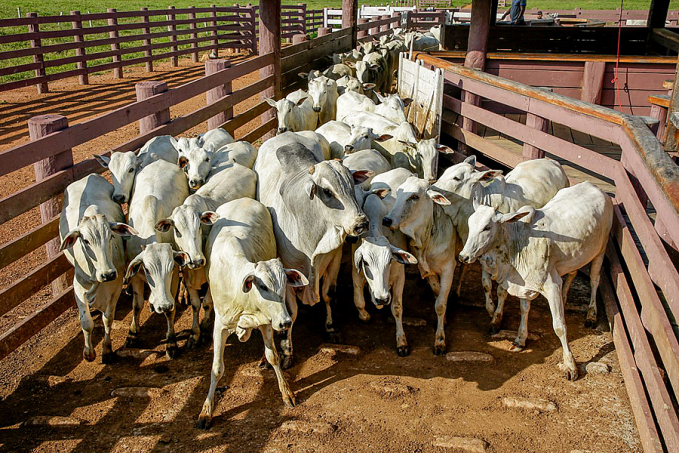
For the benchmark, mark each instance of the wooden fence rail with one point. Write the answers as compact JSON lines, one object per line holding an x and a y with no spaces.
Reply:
{"x":639,"y":328}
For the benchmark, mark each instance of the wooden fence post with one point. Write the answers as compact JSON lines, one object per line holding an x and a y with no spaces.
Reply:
{"x":253,"y":26}
{"x":270,"y":42}
{"x":147,"y":42}
{"x":144,"y":91}
{"x":362,"y":33}
{"x":384,"y":26}
{"x":299,"y":38}
{"x":540,"y":124}
{"x":593,"y":81}
{"x":349,"y":16}
{"x":37,"y":58}
{"x":322,"y":31}
{"x":113,"y":21}
{"x":38,"y":127}
{"x":302,"y":12}
{"x":396,"y":24}
{"x":77,"y":24}
{"x":194,"y":35}
{"x":213,"y":23}
{"x":409,"y":19}
{"x":215,"y":94}
{"x":172,"y":28}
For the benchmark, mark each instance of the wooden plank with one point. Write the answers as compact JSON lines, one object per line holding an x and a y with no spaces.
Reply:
{"x":245,"y":117}
{"x":593,"y":81}
{"x":39,"y":277}
{"x":643,"y":416}
{"x":22,"y":155}
{"x":661,"y":100}
{"x":261,"y":130}
{"x":17,"y":248}
{"x":483,"y":145}
{"x":661,"y":402}
{"x":30,"y":325}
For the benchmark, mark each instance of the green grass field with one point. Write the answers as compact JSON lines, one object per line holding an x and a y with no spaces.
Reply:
{"x":8,"y":9}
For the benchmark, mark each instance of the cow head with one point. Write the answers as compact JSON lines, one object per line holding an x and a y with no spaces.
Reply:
{"x":186,"y":222}
{"x":95,"y":234}
{"x":123,"y":168}
{"x":361,"y":138}
{"x":395,"y":106}
{"x":426,"y":157}
{"x":159,"y":262}
{"x":464,"y":180}
{"x":320,"y":90}
{"x":284,"y":108}
{"x":363,"y":71}
{"x":268,"y":281}
{"x":414,"y":200}
{"x":197,"y":165}
{"x":484,"y":225}
{"x":374,"y":257}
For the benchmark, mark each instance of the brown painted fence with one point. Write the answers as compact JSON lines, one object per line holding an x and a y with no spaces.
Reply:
{"x":634,"y":290}
{"x":369,"y":29}
{"x":50,"y":152}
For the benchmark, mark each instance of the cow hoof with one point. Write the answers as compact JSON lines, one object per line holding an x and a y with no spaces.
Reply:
{"x":589,"y":324}
{"x":571,"y":375}
{"x":439,"y":350}
{"x":171,"y":351}
{"x":364,"y":317}
{"x":493,"y":329}
{"x":403,"y":351}
{"x":131,"y":342}
{"x":193,"y":343}
{"x":333,"y":336}
{"x":264,"y":364}
{"x":203,"y":422}
{"x":516,"y":347}
{"x":286,"y":362}
{"x":289,"y":401}
{"x":108,"y":358}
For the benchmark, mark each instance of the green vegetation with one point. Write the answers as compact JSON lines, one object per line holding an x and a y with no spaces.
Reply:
{"x":8,"y":9}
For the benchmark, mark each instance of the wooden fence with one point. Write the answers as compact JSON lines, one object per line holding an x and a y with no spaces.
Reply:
{"x":51,"y":144}
{"x":634,"y":290}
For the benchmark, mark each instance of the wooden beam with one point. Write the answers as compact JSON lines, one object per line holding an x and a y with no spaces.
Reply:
{"x":349,"y":17}
{"x":593,"y":81}
{"x":270,"y":42}
{"x":657,"y":13}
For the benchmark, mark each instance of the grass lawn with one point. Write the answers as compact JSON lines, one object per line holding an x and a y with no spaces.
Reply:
{"x":8,"y":9}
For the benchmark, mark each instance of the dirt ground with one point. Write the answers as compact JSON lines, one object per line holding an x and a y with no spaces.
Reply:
{"x":373,"y":400}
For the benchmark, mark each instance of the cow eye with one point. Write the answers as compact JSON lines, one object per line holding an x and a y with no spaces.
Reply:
{"x":487,"y":228}
{"x":456,"y":178}
{"x":415,"y":197}
{"x":131,"y":170}
{"x":86,"y":242}
{"x":207,"y":159}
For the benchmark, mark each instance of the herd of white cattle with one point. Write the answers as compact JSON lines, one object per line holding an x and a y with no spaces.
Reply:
{"x":252,"y":231}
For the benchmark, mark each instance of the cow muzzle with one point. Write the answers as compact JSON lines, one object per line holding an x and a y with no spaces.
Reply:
{"x":389,"y":223}
{"x":317,"y":109}
{"x":164,"y":307}
{"x":197,"y":264}
{"x":465,"y":259}
{"x":282,"y":130}
{"x":383,"y":302}
{"x":284,"y":324}
{"x":196,"y":183}
{"x":119,"y":198}
{"x":108,"y":276}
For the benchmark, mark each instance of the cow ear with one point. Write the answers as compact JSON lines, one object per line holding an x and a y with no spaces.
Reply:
{"x":380,"y":97}
{"x":350,"y":64}
{"x":407,"y":102}
{"x":369,"y":86}
{"x":471,"y":160}
{"x":402,"y":256}
{"x":122,"y":229}
{"x":358,"y":257}
{"x":518,"y":215}
{"x":208,"y":217}
{"x":271,"y":102}
{"x":301,"y":101}
{"x":361,"y":176}
{"x":182,"y":162}
{"x":296,"y":278}
{"x":310,"y":189}
{"x":174,"y":143}
{"x":247,"y":282}
{"x":210,"y":148}
{"x":382,"y":192}
{"x":383,"y":138}
{"x":304,"y":75}
{"x":181,"y":258}
{"x":443,"y":149}
{"x":164,"y":225}
{"x":103,"y":160}
{"x":488,"y":175}
{"x":475,"y":203}
{"x":69,"y":240}
{"x":134,"y":266}
{"x":438,"y":197}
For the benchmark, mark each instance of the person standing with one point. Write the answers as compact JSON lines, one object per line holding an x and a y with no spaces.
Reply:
{"x":516,"y":12}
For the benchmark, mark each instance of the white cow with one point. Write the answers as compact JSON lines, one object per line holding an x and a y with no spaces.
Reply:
{"x":391,"y":106}
{"x":240,"y":152}
{"x":418,"y":214}
{"x":249,"y":286}
{"x":313,"y":208}
{"x":124,"y":166}
{"x":216,"y":138}
{"x":345,"y":84}
{"x":531,"y":183}
{"x":186,"y":222}
{"x":379,"y":258}
{"x":419,"y":41}
{"x":323,"y":94}
{"x":374,"y":69}
{"x":528,"y":258}
{"x":367,"y":159}
{"x":345,"y":139}
{"x":295,"y":112}
{"x":90,"y":215}
{"x":160,"y":187}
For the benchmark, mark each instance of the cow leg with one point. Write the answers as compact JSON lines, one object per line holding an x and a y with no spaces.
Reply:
{"x":496,"y":322}
{"x":463,"y":271}
{"x":330,"y":280}
{"x":107,"y":354}
{"x":86,"y":322}
{"x":171,"y":338}
{"x":567,"y":285}
{"x":286,"y":343}
{"x":137,"y":284}
{"x":220,"y":335}
{"x":522,"y":334}
{"x":441,"y":304}
{"x":358,"y":281}
{"x":272,"y":358}
{"x":552,"y":292}
{"x":402,"y":347}
{"x":181,"y":295}
{"x":195,"y":309}
{"x":208,"y":317}
{"x":434,"y":284}
{"x":487,"y":283}
{"x":594,"y":277}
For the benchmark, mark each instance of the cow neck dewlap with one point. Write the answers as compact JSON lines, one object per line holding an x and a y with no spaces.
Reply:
{"x":529,"y":256}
